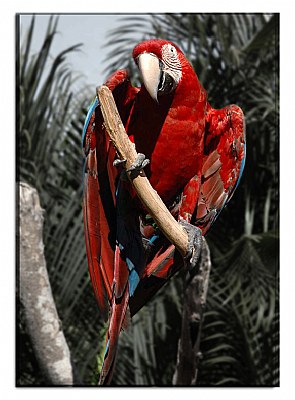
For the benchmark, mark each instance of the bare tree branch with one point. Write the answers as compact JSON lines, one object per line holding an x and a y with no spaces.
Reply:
{"x":41,"y":316}
{"x":195,"y":294}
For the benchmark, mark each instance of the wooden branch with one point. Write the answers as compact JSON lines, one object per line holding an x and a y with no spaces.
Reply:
{"x":194,"y":302}
{"x":148,"y":196}
{"x":42,"y":321}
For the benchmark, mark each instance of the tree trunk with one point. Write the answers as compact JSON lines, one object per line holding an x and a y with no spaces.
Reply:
{"x":41,"y":316}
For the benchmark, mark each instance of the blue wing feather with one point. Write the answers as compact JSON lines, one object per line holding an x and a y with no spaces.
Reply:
{"x":91,"y":109}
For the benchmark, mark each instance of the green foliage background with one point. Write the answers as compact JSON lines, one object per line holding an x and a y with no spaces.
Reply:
{"x":236,"y":59}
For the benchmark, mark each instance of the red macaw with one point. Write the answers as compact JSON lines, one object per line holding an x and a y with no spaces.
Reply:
{"x":194,"y":159}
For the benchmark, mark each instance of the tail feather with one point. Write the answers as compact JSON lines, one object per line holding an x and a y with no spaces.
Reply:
{"x":156,"y":274}
{"x":160,"y":265}
{"x":119,"y":318}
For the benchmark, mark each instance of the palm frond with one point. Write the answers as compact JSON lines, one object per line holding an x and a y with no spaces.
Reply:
{"x":50,"y":121}
{"x":241,"y":318}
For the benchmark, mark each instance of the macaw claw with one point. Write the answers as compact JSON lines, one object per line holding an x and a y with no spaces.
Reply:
{"x":194,"y":244}
{"x":117,"y":162}
{"x":138,"y":164}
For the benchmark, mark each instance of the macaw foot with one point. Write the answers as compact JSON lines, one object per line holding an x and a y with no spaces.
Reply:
{"x":194,"y":244}
{"x":139,"y":163}
{"x":135,"y":167}
{"x":117,"y":162}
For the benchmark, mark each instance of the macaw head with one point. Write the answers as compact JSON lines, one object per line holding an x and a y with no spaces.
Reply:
{"x":161,"y":65}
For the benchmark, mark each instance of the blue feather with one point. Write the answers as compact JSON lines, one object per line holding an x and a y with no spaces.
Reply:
{"x":133,"y":275}
{"x":242,"y":165}
{"x":133,"y":280}
{"x":91,"y":109}
{"x":153,"y":239}
{"x":107,"y":348}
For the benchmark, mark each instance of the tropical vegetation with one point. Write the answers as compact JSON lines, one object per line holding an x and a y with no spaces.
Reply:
{"x":236,"y":59}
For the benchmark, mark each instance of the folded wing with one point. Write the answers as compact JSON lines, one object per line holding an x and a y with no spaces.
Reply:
{"x":223,"y":163}
{"x":99,"y":200}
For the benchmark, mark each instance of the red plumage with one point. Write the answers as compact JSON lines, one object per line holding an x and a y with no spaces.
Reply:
{"x":196,"y":158}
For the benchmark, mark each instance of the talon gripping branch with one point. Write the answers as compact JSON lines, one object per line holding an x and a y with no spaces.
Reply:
{"x":196,"y":154}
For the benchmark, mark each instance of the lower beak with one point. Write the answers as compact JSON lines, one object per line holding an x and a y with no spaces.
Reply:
{"x":150,"y":72}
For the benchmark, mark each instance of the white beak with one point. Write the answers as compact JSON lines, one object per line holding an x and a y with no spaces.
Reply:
{"x":149,"y":69}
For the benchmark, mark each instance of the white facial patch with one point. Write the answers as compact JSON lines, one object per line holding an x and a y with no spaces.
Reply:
{"x":171,"y":62}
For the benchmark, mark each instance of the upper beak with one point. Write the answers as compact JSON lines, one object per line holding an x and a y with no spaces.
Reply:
{"x":150,"y":72}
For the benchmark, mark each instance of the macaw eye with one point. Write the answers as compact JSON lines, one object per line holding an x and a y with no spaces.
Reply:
{"x":169,"y":51}
{"x":172,"y":49}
